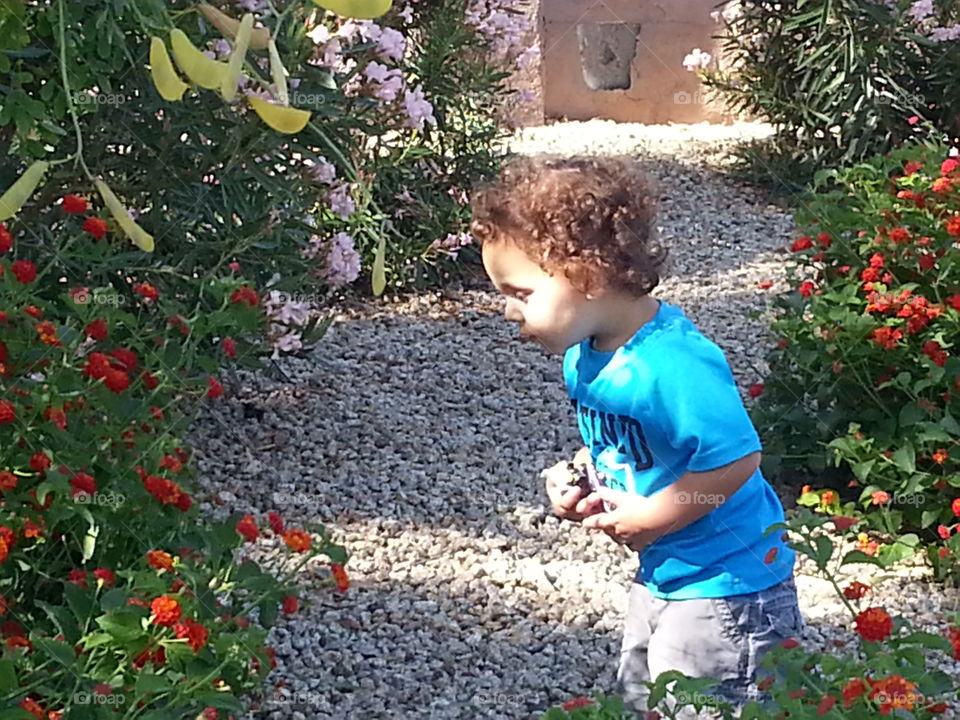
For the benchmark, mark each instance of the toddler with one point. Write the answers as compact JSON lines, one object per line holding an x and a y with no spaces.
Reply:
{"x":571,"y":245}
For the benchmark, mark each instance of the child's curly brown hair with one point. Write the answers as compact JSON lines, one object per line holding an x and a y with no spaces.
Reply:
{"x":589,"y":218}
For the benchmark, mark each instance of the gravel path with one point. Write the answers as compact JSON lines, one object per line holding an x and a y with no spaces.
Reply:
{"x":417,"y":435}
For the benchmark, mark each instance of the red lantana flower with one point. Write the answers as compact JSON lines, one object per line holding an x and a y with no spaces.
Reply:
{"x":106,"y":576}
{"x":96,"y":227}
{"x":852,"y":690}
{"x":886,"y":337}
{"x":755,"y":390}
{"x":8,"y":481}
{"x":7,"y":412}
{"x":855,"y":590}
{"x":276,"y":522}
{"x":6,"y":239}
{"x":196,"y":634}
{"x":97,"y":330}
{"x":214,"y":388}
{"x":147,"y":291}
{"x":83,"y":483}
{"x":290,"y":604}
{"x":340,"y":575}
{"x":245,"y":294}
{"x":577,"y":703}
{"x":74,"y":204}
{"x":247,"y":527}
{"x":24,"y":270}
{"x":874,"y":624}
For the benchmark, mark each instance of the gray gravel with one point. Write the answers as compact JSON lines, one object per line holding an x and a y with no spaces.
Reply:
{"x":416,"y":435}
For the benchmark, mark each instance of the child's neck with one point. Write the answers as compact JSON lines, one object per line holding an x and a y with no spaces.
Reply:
{"x":622,"y":319}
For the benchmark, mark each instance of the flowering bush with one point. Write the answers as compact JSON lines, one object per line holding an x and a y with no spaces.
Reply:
{"x":839,"y":80}
{"x":406,"y":103}
{"x":112,"y":591}
{"x":890,"y":668}
{"x":863,"y":377}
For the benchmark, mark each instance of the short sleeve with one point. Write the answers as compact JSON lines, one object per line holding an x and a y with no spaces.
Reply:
{"x":696,"y":404}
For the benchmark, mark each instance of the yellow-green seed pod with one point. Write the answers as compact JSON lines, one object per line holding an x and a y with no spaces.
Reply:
{"x":282,"y":119}
{"x":165,"y":78}
{"x":379,"y":280}
{"x":279,"y":74}
{"x":235,"y":65}
{"x":18,"y":193}
{"x":202,"y":70}
{"x":140,"y":237}
{"x":361,"y":9}
{"x":230,"y":27}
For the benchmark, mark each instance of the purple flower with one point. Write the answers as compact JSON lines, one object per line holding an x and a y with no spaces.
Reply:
{"x":946,"y":33}
{"x":391,"y":44}
{"x":343,"y":261}
{"x":340,"y":201}
{"x":323,"y":171}
{"x":921,"y":9}
{"x":419,"y":110}
{"x":253,"y":6}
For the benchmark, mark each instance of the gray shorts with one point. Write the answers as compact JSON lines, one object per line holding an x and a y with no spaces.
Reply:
{"x":719,"y":638}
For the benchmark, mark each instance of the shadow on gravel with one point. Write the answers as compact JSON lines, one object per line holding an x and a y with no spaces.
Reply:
{"x":457,"y":659}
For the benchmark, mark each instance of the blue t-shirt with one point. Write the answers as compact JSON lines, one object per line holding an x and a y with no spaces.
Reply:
{"x":663,"y":404}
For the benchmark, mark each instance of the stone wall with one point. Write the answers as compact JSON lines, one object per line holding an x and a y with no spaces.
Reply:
{"x":618,"y":60}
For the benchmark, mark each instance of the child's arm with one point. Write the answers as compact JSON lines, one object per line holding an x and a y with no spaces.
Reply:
{"x":637,"y":521}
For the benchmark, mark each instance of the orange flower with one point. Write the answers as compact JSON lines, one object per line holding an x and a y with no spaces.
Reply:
{"x":852,"y":690}
{"x":940,"y":456}
{"x":866,"y":545}
{"x":165,"y":611}
{"x":828,"y":497}
{"x":955,"y":507}
{"x":894,"y":692}
{"x":160,"y":560}
{"x":855,"y":590}
{"x":298,"y":540}
{"x":874,"y":624}
{"x":805,"y":489}
{"x":340,"y":575}
{"x":880,"y":497}
{"x":18,"y":641}
{"x":48,"y":333}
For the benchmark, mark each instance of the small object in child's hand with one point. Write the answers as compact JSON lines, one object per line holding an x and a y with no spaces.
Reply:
{"x":587,"y":479}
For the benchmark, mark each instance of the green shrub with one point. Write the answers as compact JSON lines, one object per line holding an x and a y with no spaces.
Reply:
{"x":840,"y":80}
{"x":865,"y":378}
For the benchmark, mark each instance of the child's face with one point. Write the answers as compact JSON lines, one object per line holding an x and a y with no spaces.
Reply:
{"x":547,"y":307}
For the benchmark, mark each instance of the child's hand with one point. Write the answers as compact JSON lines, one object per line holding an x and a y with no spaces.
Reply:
{"x":563,"y":496}
{"x":627,"y":523}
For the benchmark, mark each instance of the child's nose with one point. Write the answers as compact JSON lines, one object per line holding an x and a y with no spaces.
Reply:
{"x":512,"y":311}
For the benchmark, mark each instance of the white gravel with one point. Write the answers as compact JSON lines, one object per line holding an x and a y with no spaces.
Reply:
{"x":417,"y":433}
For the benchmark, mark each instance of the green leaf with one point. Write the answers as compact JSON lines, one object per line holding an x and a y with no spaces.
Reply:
{"x":59,"y":651}
{"x":123,"y":626}
{"x":905,"y":457}
{"x":64,"y":621}
{"x":859,"y":557}
{"x":8,"y":675}
{"x":824,"y":550}
{"x":149,"y":682}
{"x":928,"y":518}
{"x":222,"y":700}
{"x":910,"y":414}
{"x":79,"y":599}
{"x":269,"y":610}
